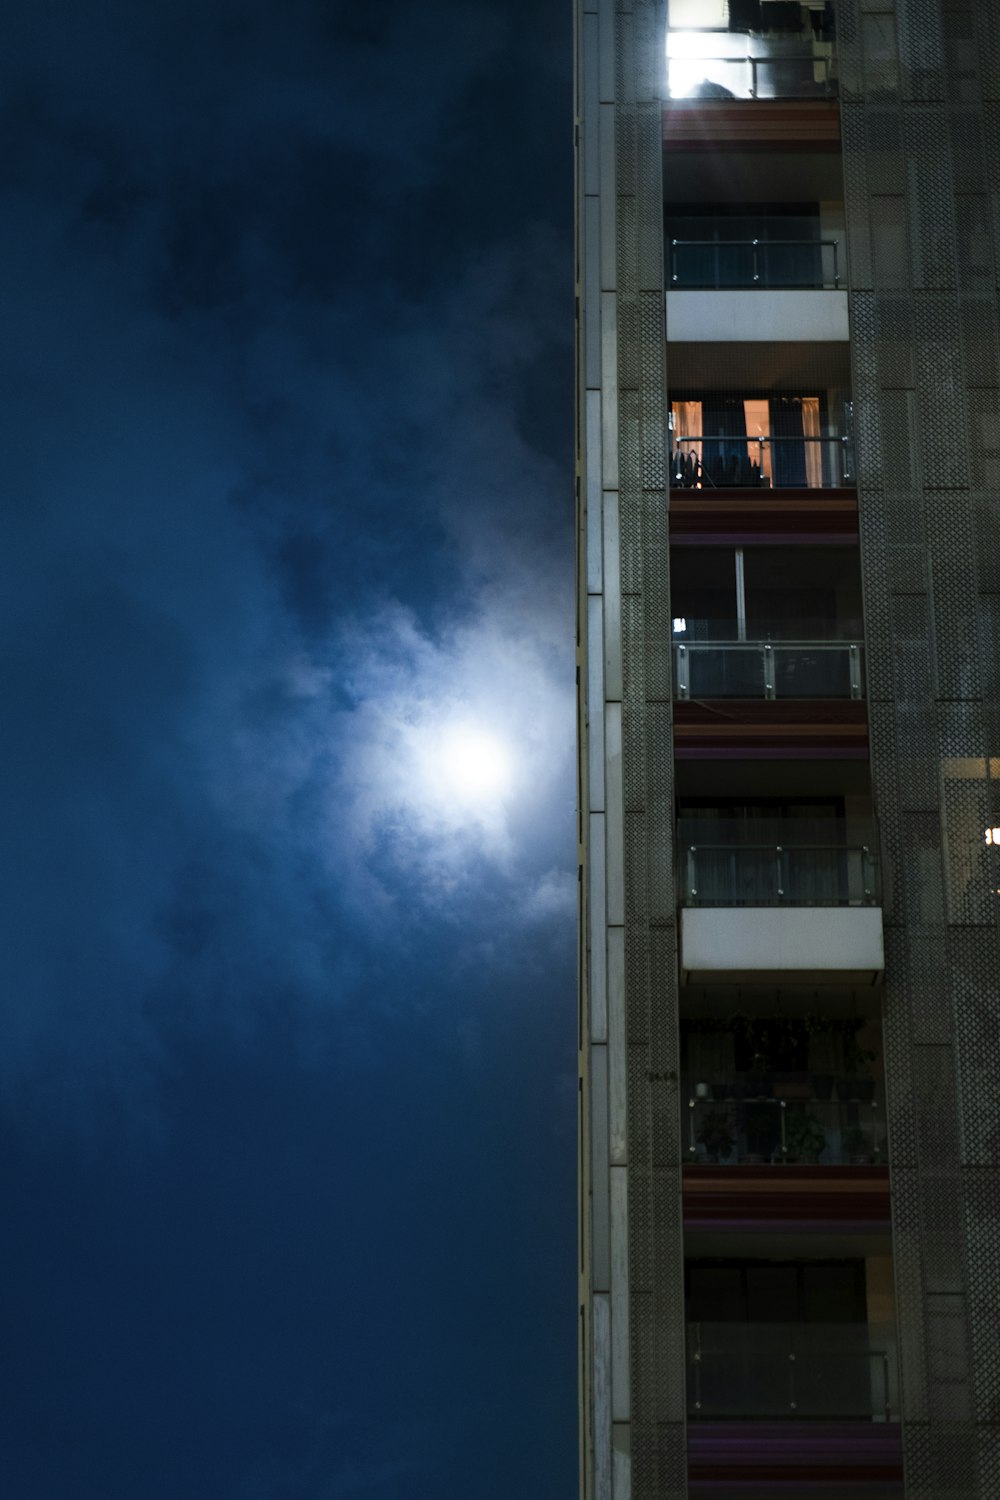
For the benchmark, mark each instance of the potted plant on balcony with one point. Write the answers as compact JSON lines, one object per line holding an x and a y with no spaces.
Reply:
{"x":805,"y":1138}
{"x":857,"y":1145}
{"x":716,"y":1135}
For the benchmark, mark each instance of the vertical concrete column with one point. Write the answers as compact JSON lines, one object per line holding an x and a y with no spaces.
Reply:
{"x":632,"y":1386}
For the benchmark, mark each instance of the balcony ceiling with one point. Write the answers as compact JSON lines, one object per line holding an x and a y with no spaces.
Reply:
{"x":746,"y":367}
{"x":716,"y":176}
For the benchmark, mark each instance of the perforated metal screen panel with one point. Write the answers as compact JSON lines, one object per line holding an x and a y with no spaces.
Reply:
{"x":921,"y":142}
{"x":656,"y":1261}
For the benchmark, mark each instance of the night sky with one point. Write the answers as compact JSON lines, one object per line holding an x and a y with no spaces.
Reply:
{"x":289,"y":1019}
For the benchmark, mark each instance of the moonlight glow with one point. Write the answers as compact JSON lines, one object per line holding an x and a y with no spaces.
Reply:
{"x":475,"y":765}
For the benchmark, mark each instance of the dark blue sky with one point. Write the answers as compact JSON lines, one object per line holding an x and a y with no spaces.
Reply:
{"x":288,"y":1050}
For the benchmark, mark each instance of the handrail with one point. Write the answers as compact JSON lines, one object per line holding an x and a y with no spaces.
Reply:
{"x":760,"y":245}
{"x":746,"y":31}
{"x":688,"y":470}
{"x":793,"y":848}
{"x":753,"y":437}
{"x":803,"y":645}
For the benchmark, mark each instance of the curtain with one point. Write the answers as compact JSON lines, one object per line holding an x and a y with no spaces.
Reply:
{"x":814,"y":450}
{"x":687,"y":456}
{"x":789,"y":455}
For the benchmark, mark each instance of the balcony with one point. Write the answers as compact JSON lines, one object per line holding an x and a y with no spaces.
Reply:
{"x":799,"y":1372}
{"x":768,"y":669}
{"x":776,"y":901}
{"x":738,"y":1123}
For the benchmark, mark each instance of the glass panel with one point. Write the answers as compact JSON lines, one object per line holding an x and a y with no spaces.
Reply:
{"x":715,"y":1291}
{"x":811,"y":672}
{"x":756,"y":670}
{"x":815,"y":877}
{"x":772,"y":249}
{"x":791,"y":61}
{"x":784,"y":862}
{"x":772,"y":1293}
{"x":803,"y":593}
{"x":720,"y":673}
{"x":818,"y":1371}
{"x":703,"y":593}
{"x":742,"y":1124}
{"x":692,"y":14}
{"x":790,"y":264}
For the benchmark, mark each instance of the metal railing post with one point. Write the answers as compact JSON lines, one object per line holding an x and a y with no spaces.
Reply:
{"x":888,"y":1393}
{"x":846,"y":461}
{"x":683,"y":672}
{"x":854,"y":659}
{"x":768,"y":651}
{"x":780,"y":860}
{"x":691,"y":887}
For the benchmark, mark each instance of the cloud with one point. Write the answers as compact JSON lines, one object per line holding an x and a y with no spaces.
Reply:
{"x":271,"y":531}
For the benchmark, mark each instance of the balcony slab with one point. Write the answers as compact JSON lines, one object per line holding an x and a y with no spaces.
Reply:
{"x":757,"y":316}
{"x":782,"y":945}
{"x":785,"y":125}
{"x":760,"y":729}
{"x":793,"y":1459}
{"x":801,"y":1199}
{"x":738,"y":517}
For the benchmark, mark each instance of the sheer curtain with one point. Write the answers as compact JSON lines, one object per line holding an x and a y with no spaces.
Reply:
{"x":814,"y":451}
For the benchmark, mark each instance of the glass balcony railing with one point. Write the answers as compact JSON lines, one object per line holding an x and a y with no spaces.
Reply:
{"x":768,"y":669}
{"x":813,"y":463}
{"x":747,"y":1125}
{"x":775,"y":862}
{"x":741,"y":65}
{"x":807,"y":1371}
{"x":719,"y":264}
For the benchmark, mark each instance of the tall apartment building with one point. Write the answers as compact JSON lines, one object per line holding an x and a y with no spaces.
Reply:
{"x":789,"y":619}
